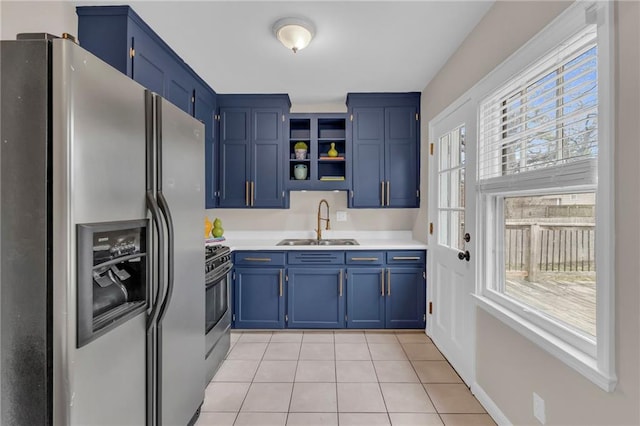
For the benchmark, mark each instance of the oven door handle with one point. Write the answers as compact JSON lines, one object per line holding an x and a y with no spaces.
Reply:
{"x":224,"y":270}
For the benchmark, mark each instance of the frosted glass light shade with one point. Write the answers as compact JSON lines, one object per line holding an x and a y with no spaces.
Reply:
{"x":294,"y":33}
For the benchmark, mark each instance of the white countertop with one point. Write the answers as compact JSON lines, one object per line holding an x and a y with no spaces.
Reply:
{"x":368,"y":240}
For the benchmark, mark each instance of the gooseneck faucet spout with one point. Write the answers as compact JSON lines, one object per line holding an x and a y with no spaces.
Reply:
{"x":320,"y":219}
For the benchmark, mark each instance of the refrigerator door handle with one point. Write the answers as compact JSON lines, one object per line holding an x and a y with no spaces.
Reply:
{"x":155,"y":214}
{"x":166,"y":213}
{"x":164,"y":208}
{"x":152,"y":205}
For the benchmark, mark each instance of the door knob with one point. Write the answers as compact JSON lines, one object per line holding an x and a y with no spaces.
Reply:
{"x":464,"y":255}
{"x":466,"y":237}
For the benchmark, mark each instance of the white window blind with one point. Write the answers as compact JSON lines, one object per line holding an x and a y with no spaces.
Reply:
{"x":540,"y":121}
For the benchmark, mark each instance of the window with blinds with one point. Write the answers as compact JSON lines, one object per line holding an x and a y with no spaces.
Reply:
{"x":544,"y":191}
{"x":546,"y":118}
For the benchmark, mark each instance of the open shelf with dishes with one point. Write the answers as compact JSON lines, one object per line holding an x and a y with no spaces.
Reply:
{"x":324,"y":164}
{"x":299,"y":162}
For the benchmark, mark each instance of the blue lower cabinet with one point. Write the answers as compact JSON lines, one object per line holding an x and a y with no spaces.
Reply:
{"x":405,"y":298}
{"x":316,"y":297}
{"x":259,"y":298}
{"x":329,"y":289}
{"x":365,"y":298}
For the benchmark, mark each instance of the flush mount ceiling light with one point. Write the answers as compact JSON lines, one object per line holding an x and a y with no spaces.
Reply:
{"x":294,"y":33}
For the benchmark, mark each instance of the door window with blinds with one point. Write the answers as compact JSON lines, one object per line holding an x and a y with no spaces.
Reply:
{"x":537,"y":177}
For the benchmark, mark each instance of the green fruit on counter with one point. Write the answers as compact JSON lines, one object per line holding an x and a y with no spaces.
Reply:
{"x":217,"y":223}
{"x":217,"y":231}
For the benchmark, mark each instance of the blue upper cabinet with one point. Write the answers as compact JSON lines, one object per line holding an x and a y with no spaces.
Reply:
{"x":235,"y":156}
{"x":180,"y":88}
{"x":147,"y":64}
{"x":386,"y":155}
{"x":368,"y":157}
{"x":118,"y":36}
{"x":205,"y":106}
{"x":251,"y":151}
{"x":321,"y":167}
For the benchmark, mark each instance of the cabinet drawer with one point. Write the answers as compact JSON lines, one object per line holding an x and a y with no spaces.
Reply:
{"x":259,"y":258}
{"x":365,"y":257}
{"x":406,"y":257}
{"x":315,"y":258}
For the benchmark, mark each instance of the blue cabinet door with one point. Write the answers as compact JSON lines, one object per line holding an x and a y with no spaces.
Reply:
{"x":365,"y":298}
{"x":205,"y":110}
{"x":368,"y":157}
{"x":180,"y":87}
{"x":107,"y":37}
{"x":235,"y":156}
{"x":401,"y":154}
{"x":267,"y":158}
{"x":405,"y":298}
{"x":316,"y":298}
{"x":149,"y":63}
{"x":259,"y":298}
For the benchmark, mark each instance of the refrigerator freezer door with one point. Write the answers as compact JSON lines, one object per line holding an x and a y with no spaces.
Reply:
{"x":25,"y":355}
{"x":181,"y":180}
{"x":98,"y":176}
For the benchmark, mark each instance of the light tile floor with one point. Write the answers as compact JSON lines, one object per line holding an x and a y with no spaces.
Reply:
{"x":337,"y":378}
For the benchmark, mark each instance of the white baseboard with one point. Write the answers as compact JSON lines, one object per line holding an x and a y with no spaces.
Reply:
{"x":490,"y":406}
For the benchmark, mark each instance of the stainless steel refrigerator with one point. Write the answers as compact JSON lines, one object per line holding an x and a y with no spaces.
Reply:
{"x":102,"y":257}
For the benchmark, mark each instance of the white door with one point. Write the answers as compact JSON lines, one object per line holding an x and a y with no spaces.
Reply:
{"x":451,"y":322}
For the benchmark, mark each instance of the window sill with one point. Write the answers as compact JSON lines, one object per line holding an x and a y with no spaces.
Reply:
{"x":584,"y":364}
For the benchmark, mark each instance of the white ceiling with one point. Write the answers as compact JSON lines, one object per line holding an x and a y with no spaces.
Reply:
{"x":379,"y":46}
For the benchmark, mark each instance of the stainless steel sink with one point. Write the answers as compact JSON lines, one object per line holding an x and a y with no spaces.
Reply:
{"x":312,"y":242}
{"x":298,"y":242}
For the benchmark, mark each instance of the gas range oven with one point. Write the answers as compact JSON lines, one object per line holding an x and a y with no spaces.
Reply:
{"x":217,"y":313}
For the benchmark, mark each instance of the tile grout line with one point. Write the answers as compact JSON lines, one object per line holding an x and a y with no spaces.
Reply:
{"x":420,"y":380}
{"x":251,"y":383}
{"x":333,"y":333}
{"x":335,"y":367}
{"x":293,"y":384}
{"x":384,"y":401}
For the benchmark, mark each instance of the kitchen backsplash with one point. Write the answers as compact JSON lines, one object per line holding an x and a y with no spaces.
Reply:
{"x":302,"y":215}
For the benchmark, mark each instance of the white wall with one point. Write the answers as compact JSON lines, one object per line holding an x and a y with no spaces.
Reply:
{"x":509,"y":367}
{"x":56,"y":17}
{"x":302,"y":215}
{"x":53,"y":17}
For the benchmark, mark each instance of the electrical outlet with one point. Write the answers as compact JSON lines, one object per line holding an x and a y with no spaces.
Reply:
{"x":341,"y":216}
{"x":538,"y":408}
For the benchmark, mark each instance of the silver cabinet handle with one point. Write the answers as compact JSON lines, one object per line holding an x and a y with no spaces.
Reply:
{"x":388,"y":282}
{"x":382,"y":282}
{"x":257,"y":259}
{"x":340,"y":282}
{"x":382,"y":193}
{"x":280,"y":282}
{"x":372,"y":259}
{"x":388,"y":185}
{"x":406,"y":258}
{"x":246,"y":193}
{"x":253,"y":194}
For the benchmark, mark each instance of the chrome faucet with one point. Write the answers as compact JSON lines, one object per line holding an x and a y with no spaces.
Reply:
{"x":320,"y":219}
